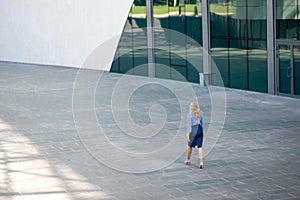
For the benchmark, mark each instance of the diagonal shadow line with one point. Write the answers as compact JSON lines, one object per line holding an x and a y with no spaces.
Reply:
{"x":43,"y":175}
{"x":46,"y":192}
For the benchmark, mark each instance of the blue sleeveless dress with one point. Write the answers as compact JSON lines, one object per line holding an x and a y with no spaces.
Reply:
{"x":195,"y":129}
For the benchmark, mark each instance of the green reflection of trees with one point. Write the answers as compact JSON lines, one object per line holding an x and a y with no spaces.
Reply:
{"x":220,"y":9}
{"x":161,"y":9}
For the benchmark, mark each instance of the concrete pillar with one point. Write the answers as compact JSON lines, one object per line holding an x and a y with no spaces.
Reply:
{"x":206,"y":42}
{"x":271,"y":47}
{"x":150,"y":38}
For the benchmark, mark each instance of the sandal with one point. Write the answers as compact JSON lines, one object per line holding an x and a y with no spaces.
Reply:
{"x":201,"y":166}
{"x":187,"y":162}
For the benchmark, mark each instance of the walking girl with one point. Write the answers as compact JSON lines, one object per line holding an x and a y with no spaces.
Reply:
{"x":195,"y":132}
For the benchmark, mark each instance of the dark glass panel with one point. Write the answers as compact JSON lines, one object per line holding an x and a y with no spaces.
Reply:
{"x":256,"y":44}
{"x":194,"y":61}
{"x":139,"y":23}
{"x":178,"y":56}
{"x":257,"y":29}
{"x":298,"y":9}
{"x":238,"y":28}
{"x":219,"y":53}
{"x":238,"y":20}
{"x":281,"y":29}
{"x":238,"y":43}
{"x":297,"y":70}
{"x":219,"y":25}
{"x":141,"y":62}
{"x":238,"y":64}
{"x":162,"y":70}
{"x":287,"y":15}
{"x":162,"y":63}
{"x":162,"y":53}
{"x":126,"y":39}
{"x":194,"y":28}
{"x":220,"y":12}
{"x":140,"y":52}
{"x":257,"y":62}
{"x":115,"y":66}
{"x":194,"y":40}
{"x":126,"y":61}
{"x":257,"y":19}
{"x":284,"y":69}
{"x":193,"y":73}
{"x":292,"y":29}
{"x":164,"y":22}
{"x":264,"y":29}
{"x":298,"y":27}
{"x":177,"y":23}
{"x":178,"y":72}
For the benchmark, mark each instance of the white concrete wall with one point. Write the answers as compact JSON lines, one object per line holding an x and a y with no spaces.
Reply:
{"x":61,"y":32}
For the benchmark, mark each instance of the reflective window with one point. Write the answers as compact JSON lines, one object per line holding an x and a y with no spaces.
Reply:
{"x":287,"y":19}
{"x":177,"y":25}
{"x":284,"y":56}
{"x":238,"y":42}
{"x":131,"y":55}
{"x":296,"y":70}
{"x":177,"y":37}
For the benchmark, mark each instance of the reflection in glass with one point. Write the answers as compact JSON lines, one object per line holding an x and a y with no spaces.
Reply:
{"x":194,"y":60}
{"x":161,"y":35}
{"x":297,"y":70}
{"x":194,"y":28}
{"x":257,"y":29}
{"x":238,"y":45}
{"x":173,"y":22}
{"x":126,"y":61}
{"x":238,"y":65}
{"x":219,"y":53}
{"x":138,"y":9}
{"x":131,"y":55}
{"x":238,"y":19}
{"x":257,"y":62}
{"x":287,"y":19}
{"x":284,"y":69}
{"x":115,"y":67}
{"x":140,"y":56}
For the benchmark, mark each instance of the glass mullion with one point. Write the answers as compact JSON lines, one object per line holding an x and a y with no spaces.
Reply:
{"x":296,"y":62}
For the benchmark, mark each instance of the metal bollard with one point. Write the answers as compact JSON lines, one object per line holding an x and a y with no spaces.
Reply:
{"x":201,"y":79}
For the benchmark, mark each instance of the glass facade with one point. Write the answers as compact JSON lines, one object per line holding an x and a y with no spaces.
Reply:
{"x":239,"y":42}
{"x":131,"y":56}
{"x":287,"y":19}
{"x":284,"y":64}
{"x":237,"y":35}
{"x":296,"y":73}
{"x":288,"y":46}
{"x":177,"y":29}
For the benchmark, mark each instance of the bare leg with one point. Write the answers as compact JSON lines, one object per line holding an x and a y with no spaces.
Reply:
{"x":188,"y":155}
{"x":201,"y":157}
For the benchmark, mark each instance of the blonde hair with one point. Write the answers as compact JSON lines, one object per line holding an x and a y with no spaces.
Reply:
{"x":195,"y":110}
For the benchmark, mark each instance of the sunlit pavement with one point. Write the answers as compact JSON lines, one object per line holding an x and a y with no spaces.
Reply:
{"x":60,"y":129}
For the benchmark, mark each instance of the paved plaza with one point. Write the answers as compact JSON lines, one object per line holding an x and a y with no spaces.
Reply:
{"x":75,"y":134}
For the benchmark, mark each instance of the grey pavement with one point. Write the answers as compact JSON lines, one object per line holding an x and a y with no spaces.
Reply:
{"x":81,"y":134}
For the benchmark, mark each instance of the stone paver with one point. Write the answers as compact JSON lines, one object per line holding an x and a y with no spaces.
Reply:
{"x":54,"y":136}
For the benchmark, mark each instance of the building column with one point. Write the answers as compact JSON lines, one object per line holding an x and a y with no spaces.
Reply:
{"x":150,"y":38}
{"x":206,"y":42}
{"x":271,"y":46}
